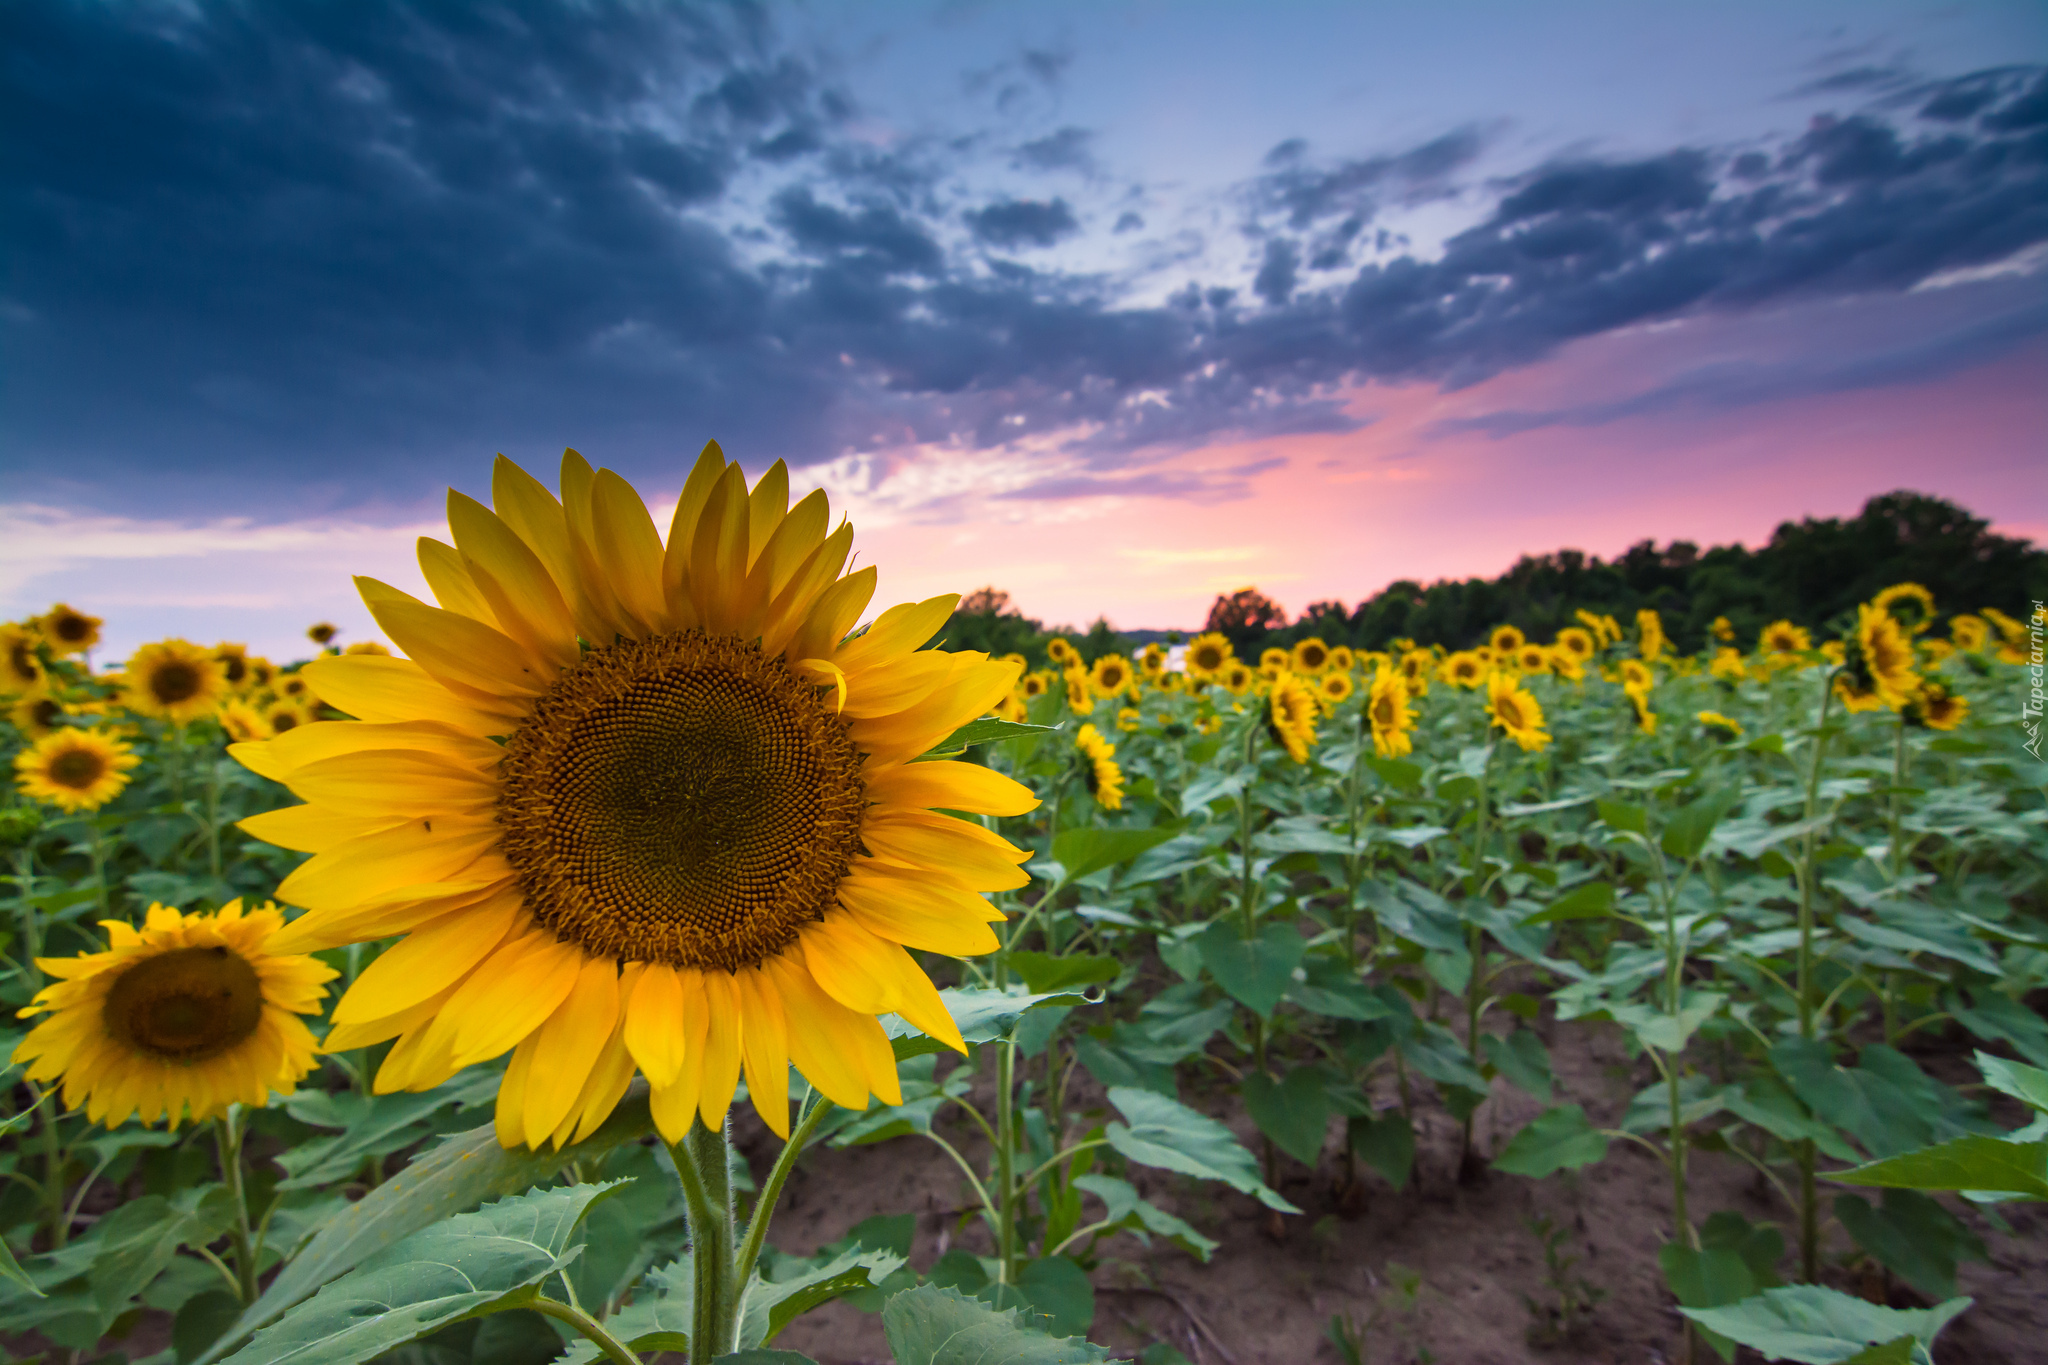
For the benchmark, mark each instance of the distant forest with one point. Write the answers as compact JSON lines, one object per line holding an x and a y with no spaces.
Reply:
{"x":1813,"y":572}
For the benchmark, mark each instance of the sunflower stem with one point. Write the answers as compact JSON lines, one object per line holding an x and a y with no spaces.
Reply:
{"x":227,"y":1141}
{"x":53,"y":1172}
{"x":591,"y":1329}
{"x":1006,"y":1142}
{"x":809,"y":1116}
{"x":99,"y":866}
{"x":31,"y":929}
{"x":213,"y":818}
{"x":1244,"y":819}
{"x":1804,"y":1154}
{"x":700,"y":1160}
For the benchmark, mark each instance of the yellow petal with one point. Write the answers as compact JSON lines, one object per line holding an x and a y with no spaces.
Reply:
{"x":792,"y":604}
{"x":525,"y":505}
{"x":825,"y":1041}
{"x":448,"y":578}
{"x":595,"y":587}
{"x":718,"y":557}
{"x":510,"y":1115}
{"x":897,"y":632}
{"x":764,"y":1047}
{"x":875,"y":976}
{"x":310,"y":829}
{"x":832,"y":615}
{"x":972,"y":691}
{"x":719,"y":1072}
{"x":372,"y":687}
{"x":512,"y":994}
{"x":523,"y":596}
{"x":415,"y":853}
{"x":880,"y":692}
{"x":601,"y":1093}
{"x":682,"y":533}
{"x":396,"y":782}
{"x":348,"y":1037}
{"x":916,"y":915}
{"x":628,"y":549}
{"x":655,"y":1026}
{"x":454,"y":648}
{"x":570,"y":1044}
{"x":429,"y":961}
{"x":332,"y":738}
{"x":794,"y":539}
{"x":950,"y":785}
{"x":767,"y":504}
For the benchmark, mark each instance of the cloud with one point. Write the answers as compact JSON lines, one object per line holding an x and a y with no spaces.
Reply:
{"x":1069,"y":149}
{"x":1013,"y":223}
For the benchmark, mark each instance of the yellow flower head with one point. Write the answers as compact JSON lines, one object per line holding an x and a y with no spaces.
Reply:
{"x":1310,"y":656}
{"x":242,"y":722}
{"x":1968,"y":633}
{"x":1207,"y":654}
{"x":1505,"y":640}
{"x":1596,"y":624}
{"x":1646,"y":719}
{"x":1275,"y":657}
{"x":1390,"y":714}
{"x":1173,"y":682}
{"x":368,"y":647}
{"x":1291,"y":715}
{"x":1532,"y":659}
{"x":68,"y":630}
{"x":1936,"y":650}
{"x":21,"y":666}
{"x":1152,"y":659}
{"x":1342,"y":659}
{"x":1719,"y":726}
{"x":1034,"y":685}
{"x":1722,"y":629}
{"x":1576,"y":642}
{"x":1728,"y":665}
{"x":1637,"y":676}
{"x":1335,"y":689}
{"x":1884,"y":657}
{"x":74,"y":770}
{"x":1128,"y":718}
{"x":1062,"y":653}
{"x":233,"y":659}
{"x":1237,"y":677}
{"x":1463,"y":669}
{"x":1415,"y":668}
{"x":1010,"y":708}
{"x":1909,"y":604}
{"x":1112,"y":676}
{"x":282,"y":714}
{"x":322,"y":632}
{"x":1080,"y":697}
{"x":1833,"y":652}
{"x":1510,"y":707}
{"x":1650,"y":639}
{"x":36,"y":715}
{"x":1936,"y":708}
{"x":637,"y":803}
{"x":2012,"y":637}
{"x":174,"y":680}
{"x":176,"y":1021}
{"x":1784,"y":641}
{"x":1855,"y":694}
{"x":1105,"y":779}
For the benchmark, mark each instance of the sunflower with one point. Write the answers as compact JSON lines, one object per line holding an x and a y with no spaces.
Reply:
{"x":1173,"y":682}
{"x":1208,"y":653}
{"x":1650,"y":639}
{"x":178,"y":1021}
{"x":1098,"y":766}
{"x":1462,"y":669}
{"x":262,"y":673}
{"x":1646,"y":719}
{"x":1275,"y":657}
{"x":1010,"y":708}
{"x":1637,"y":676}
{"x":281,"y":715}
{"x":1310,"y":656}
{"x":1833,"y":652}
{"x":1017,"y":659}
{"x":322,"y":632}
{"x":74,"y":770}
{"x":1237,"y":677}
{"x":1968,"y":633}
{"x":1062,"y":653}
{"x":1291,"y":715}
{"x":1079,"y":696}
{"x":1505,"y":639}
{"x":1936,"y":708}
{"x":1722,"y":629}
{"x":1335,"y":689}
{"x":1565,"y":664}
{"x":1909,"y":604}
{"x":1034,"y":685}
{"x":69,"y":630}
{"x":243,"y":722}
{"x":1784,"y":642}
{"x":21,"y":667}
{"x":1855,"y":695}
{"x":1719,"y":726}
{"x":295,"y":687}
{"x":637,"y":804}
{"x":1727,"y":665}
{"x":368,"y":647}
{"x":1532,"y":659}
{"x":36,"y":715}
{"x":2012,"y":637}
{"x":1128,"y":718}
{"x":1152,"y":659}
{"x":1111,"y":675}
{"x":1390,"y":714}
{"x":1576,"y":642}
{"x":1416,"y":665}
{"x":1511,"y":708}
{"x":233,"y":659}
{"x":1599,"y":626}
{"x":1342,"y":659}
{"x":174,"y":680}
{"x":1936,"y":650}
{"x":1885,"y":656}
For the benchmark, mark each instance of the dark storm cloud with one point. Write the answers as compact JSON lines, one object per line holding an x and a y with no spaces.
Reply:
{"x":338,"y":247}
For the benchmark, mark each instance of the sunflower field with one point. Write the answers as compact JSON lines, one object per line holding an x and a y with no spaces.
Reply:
{"x":482,"y":997}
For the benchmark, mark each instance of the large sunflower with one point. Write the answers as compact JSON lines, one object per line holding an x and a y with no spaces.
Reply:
{"x":178,"y":1020}
{"x":643,"y":805}
{"x":1510,"y":707}
{"x":74,"y":770}
{"x":174,"y":680}
{"x":69,"y":630}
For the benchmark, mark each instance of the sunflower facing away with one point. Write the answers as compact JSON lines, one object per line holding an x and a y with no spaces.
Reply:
{"x":1968,"y":633}
{"x":2012,"y":636}
{"x":74,"y":770}
{"x":637,"y":804}
{"x":1646,"y":719}
{"x":1099,"y":767}
{"x":1510,"y":707}
{"x":1390,"y":714}
{"x":174,"y":680}
{"x":69,"y":630}
{"x":177,"y":1020}
{"x":1911,"y":605}
{"x":1719,"y":726}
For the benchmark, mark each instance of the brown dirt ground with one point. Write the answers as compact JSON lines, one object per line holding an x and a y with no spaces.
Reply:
{"x":1274,"y":1284}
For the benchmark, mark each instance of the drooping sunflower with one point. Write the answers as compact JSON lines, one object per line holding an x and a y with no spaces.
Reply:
{"x":1275,"y":657}
{"x":1061,"y":652}
{"x":1510,"y":707}
{"x":1784,"y":641}
{"x":1936,"y":708}
{"x":1856,"y":694}
{"x":1208,"y":653}
{"x":1722,"y":629}
{"x":21,"y":667}
{"x":1884,"y":656}
{"x":1291,"y":715}
{"x":1646,"y":719}
{"x":74,"y":770}
{"x":174,"y":680}
{"x":1576,"y":642}
{"x":2012,"y":637}
{"x":637,"y":804}
{"x":1506,"y":639}
{"x":1099,"y":768}
{"x":36,"y":715}
{"x":1463,"y":669}
{"x":1968,"y":633}
{"x":1650,"y":640}
{"x":1909,"y":604}
{"x":1310,"y":656}
{"x":69,"y":630}
{"x":177,"y":1021}
{"x":233,"y":659}
{"x":1390,"y":714}
{"x":1111,"y":675}
{"x":1718,"y":726}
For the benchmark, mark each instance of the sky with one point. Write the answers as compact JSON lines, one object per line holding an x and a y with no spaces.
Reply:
{"x":1116,"y":306}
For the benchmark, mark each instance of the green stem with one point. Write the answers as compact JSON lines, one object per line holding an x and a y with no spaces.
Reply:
{"x":814,"y":1109}
{"x":53,"y":1173}
{"x":1898,"y":781}
{"x":1475,"y":945}
{"x":1006,"y":1144}
{"x":213,"y":817}
{"x":589,"y":1327}
{"x":700,"y":1160}
{"x":227,"y":1144}
{"x":31,"y":927}
{"x":1804,"y":1153}
{"x":1249,"y":893}
{"x":99,"y":867}
{"x":1355,"y":865}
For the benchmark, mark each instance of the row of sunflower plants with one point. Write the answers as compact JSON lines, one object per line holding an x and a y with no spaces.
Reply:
{"x":608,"y":891}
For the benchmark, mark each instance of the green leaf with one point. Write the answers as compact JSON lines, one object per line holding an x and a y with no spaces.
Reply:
{"x":371,"y":1126}
{"x":932,"y":1326}
{"x":1049,"y":973}
{"x":1397,"y":773}
{"x":1896,"y":1352}
{"x":138,"y":1240}
{"x":987,"y":730}
{"x":2027,"y":1084}
{"x":1690,"y":826}
{"x":773,"y":1304}
{"x":1522,"y":1058}
{"x":460,"y":1173}
{"x":1090,"y":848}
{"x":1254,"y":971}
{"x":985,"y":1016}
{"x":1209,"y":787}
{"x":1669,"y":1033}
{"x":1059,"y":1296}
{"x":2018,"y":1169}
{"x":1620,"y":815}
{"x":1818,"y":1326}
{"x":1387,"y":1142}
{"x":1590,"y":900}
{"x":1913,"y":1237}
{"x":1706,"y":1277}
{"x":658,"y":1319}
{"x":473,"y":1262}
{"x":1124,"y":1207}
{"x":759,"y":1356}
{"x":10,"y":1269}
{"x":1294,"y":1111}
{"x":1554,"y":1140}
{"x":1165,"y":1133}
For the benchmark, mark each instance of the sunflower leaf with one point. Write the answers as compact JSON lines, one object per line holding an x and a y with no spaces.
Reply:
{"x":987,"y":730}
{"x":1166,"y":1134}
{"x":1806,"y":1322}
{"x":933,"y":1326}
